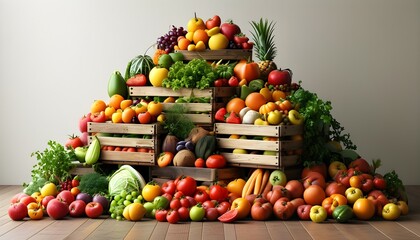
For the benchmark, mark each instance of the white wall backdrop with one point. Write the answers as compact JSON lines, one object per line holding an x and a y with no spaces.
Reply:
{"x":363,"y":56}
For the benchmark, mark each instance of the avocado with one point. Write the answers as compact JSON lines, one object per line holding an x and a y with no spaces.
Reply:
{"x":117,"y":85}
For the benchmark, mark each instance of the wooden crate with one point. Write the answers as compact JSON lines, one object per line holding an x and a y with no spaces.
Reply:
{"x":80,"y":169}
{"x":284,"y":150}
{"x":223,"y":54}
{"x":199,"y":174}
{"x":199,"y":113}
{"x":153,"y":131}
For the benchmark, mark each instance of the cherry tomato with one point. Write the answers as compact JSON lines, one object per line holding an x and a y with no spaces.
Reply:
{"x":201,"y":196}
{"x":218,"y":193}
{"x":199,"y":163}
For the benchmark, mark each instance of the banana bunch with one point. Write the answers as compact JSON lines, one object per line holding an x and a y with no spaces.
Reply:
{"x":257,"y":183}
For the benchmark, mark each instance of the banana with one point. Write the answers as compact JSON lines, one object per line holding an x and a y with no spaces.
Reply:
{"x":258,"y":182}
{"x":250,"y":184}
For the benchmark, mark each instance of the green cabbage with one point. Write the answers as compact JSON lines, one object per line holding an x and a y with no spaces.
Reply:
{"x":125,"y":178}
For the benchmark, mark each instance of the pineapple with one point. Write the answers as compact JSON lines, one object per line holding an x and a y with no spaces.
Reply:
{"x":265,"y":49}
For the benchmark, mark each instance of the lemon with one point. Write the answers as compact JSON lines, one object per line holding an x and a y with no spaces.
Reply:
{"x":218,"y":41}
{"x":49,"y":189}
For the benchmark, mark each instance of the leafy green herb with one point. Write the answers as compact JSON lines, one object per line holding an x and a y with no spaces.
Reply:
{"x":197,"y":73}
{"x":394,"y":186}
{"x":54,"y":163}
{"x":176,"y":123}
{"x":94,"y":183}
{"x":320,"y":127}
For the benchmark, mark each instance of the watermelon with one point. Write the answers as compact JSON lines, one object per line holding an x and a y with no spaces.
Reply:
{"x":140,"y":64}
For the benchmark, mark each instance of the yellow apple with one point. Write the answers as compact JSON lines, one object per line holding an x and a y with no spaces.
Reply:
{"x":195,"y":23}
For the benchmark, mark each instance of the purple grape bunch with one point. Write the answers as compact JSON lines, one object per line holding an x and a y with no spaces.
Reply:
{"x":168,"y":41}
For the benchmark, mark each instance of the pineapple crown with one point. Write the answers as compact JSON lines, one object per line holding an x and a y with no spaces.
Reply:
{"x":263,"y":38}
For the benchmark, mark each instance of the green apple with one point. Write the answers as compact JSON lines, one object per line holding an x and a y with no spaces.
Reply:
{"x":272,"y":153}
{"x":278,"y":177}
{"x":165,"y":60}
{"x":81,"y":153}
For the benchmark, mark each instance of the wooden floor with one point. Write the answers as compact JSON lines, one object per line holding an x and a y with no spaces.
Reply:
{"x":407,"y":227}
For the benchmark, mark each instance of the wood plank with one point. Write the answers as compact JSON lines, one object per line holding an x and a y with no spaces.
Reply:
{"x":229,"y":231}
{"x":178,"y":231}
{"x":111,"y":229}
{"x":276,"y":229}
{"x":160,"y":231}
{"x":324,"y":230}
{"x":86,"y":229}
{"x":362,"y":228}
{"x":297,"y":231}
{"x":213,"y":230}
{"x":393,"y":230}
{"x":141,"y":230}
{"x":25,"y":229}
{"x":251,"y":230}
{"x":196,"y":231}
{"x":66,"y":226}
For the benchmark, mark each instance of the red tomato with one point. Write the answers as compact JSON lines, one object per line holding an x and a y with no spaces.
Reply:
{"x":172,"y":216}
{"x":160,"y":215}
{"x":199,"y":162}
{"x":98,"y":117}
{"x":216,"y":161}
{"x":218,"y":193}
{"x":187,"y":185}
{"x":201,"y":196}
{"x":74,"y":142}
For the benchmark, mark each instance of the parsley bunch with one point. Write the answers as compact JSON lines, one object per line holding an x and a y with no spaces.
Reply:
{"x":197,"y":73}
{"x":54,"y":163}
{"x":319,"y":127}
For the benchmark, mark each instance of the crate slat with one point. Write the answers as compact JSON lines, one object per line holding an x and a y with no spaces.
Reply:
{"x":191,"y":107}
{"x":224,"y":54}
{"x":258,"y":130}
{"x":262,"y":161}
{"x":135,"y":158}
{"x":127,"y":142}
{"x":123,"y":128}
{"x":199,"y":174}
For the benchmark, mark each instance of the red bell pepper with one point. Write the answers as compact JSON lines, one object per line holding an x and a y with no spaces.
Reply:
{"x":233,"y":118}
{"x":220,"y":114}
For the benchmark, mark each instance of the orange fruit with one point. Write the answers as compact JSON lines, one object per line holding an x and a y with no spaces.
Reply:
{"x":314,"y":195}
{"x":235,"y":105}
{"x":97,"y":106}
{"x":200,"y":35}
{"x":128,"y":114}
{"x":277,"y":95}
{"x":255,"y":101}
{"x":115,"y":101}
{"x":109,"y":111}
{"x":183,"y":43}
{"x":126,"y":103}
{"x":117,"y":117}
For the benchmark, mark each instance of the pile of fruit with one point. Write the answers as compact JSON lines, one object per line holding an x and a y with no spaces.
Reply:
{"x":340,"y":192}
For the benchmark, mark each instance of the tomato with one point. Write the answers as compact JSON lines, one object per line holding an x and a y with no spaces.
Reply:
{"x":187,"y":185}
{"x":236,"y":186}
{"x":199,"y":163}
{"x":403,"y":207}
{"x":379,"y":183}
{"x":286,"y":105}
{"x":201,"y":196}
{"x":218,"y":193}
{"x":314,"y":195}
{"x":335,"y":200}
{"x":160,"y":215}
{"x":261,"y":211}
{"x":364,"y":209}
{"x":243,"y":207}
{"x":335,"y":187}
{"x":318,"y":214}
{"x":169,"y":187}
{"x":316,"y":167}
{"x":150,"y":191}
{"x":154,"y":108}
{"x":283,"y":209}
{"x":98,"y":117}
{"x":172,"y":216}
{"x":35,"y":211}
{"x":229,"y":216}
{"x":342,"y":213}
{"x":184,"y":213}
{"x":216,"y":161}
{"x":74,"y":142}
{"x":211,"y":214}
{"x":356,"y":181}
{"x":165,"y":159}
{"x":247,"y":70}
{"x":391,"y":211}
{"x":222,"y":207}
{"x":75,"y":183}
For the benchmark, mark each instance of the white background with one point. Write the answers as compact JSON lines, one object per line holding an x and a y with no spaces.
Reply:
{"x":363,"y":56}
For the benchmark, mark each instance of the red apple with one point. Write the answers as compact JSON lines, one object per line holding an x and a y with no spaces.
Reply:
{"x":26,"y":200}
{"x":211,"y":214}
{"x":102,"y":200}
{"x":335,"y":187}
{"x":57,"y":209}
{"x":16,"y":198}
{"x":65,"y":196}
{"x":215,"y":21}
{"x":46,"y":200}
{"x":83,"y":121}
{"x":303,"y":212}
{"x":295,"y":188}
{"x":261,"y":211}
{"x":360,"y":164}
{"x":314,"y":178}
{"x":280,"y":77}
{"x":77,"y":208}
{"x":94,"y":209}
{"x":17,"y":211}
